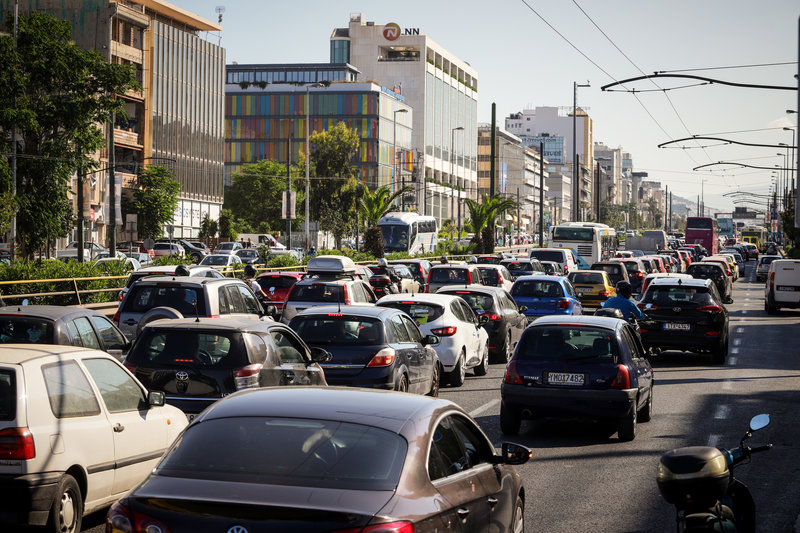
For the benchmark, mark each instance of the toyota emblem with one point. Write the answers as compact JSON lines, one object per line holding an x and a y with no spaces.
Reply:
{"x":182,"y":375}
{"x":238,"y":529}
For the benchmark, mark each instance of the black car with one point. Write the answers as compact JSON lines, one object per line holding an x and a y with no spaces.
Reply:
{"x":506,"y":322}
{"x":418,"y":267}
{"x":616,"y":271}
{"x":716,"y":273}
{"x":636,"y":271}
{"x":195,"y":362}
{"x":685,"y":314}
{"x":522,"y":267}
{"x":373,"y":347}
{"x":54,"y":324}
{"x":578,"y":366}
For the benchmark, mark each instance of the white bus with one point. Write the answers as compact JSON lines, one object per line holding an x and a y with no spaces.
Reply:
{"x":411,"y":233}
{"x":592,"y":241}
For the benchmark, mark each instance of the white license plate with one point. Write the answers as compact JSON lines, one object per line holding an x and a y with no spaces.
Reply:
{"x":678,"y":326}
{"x":563,"y":378}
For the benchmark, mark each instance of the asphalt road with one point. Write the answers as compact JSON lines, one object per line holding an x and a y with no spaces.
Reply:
{"x":582,"y":479}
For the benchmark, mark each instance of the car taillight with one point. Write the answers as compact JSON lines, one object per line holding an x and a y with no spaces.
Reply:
{"x":492,"y":316}
{"x":120,"y":519}
{"x":638,"y":274}
{"x":346,"y":295}
{"x":605,"y":293}
{"x":115,"y":319}
{"x":623,"y":379}
{"x":17,"y":443}
{"x":247,"y":377}
{"x":500,"y":280}
{"x":390,"y":527}
{"x":566,"y":270}
{"x":563,"y":304}
{"x":772,"y":281}
{"x":445,"y":332}
{"x":512,"y":376}
{"x":130,"y":367}
{"x":713,"y":309}
{"x":384,"y":357}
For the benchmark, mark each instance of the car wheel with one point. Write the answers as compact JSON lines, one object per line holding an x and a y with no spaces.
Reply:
{"x":769,"y":305}
{"x":196,"y":258}
{"x":518,"y":520}
{"x":509,"y":422}
{"x":457,"y":376}
{"x":720,"y":352}
{"x":435,"y":380}
{"x":647,"y":411}
{"x":627,"y":426}
{"x":402,"y":384}
{"x":504,"y":354}
{"x":483,"y":366}
{"x":66,"y":512}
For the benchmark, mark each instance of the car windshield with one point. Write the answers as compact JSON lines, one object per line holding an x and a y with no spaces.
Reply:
{"x":278,"y":282}
{"x":517,"y":266}
{"x":302,"y":452}
{"x":419,"y":311}
{"x":490,"y":275}
{"x":215,"y":260}
{"x":191,"y":347}
{"x":593,"y":278}
{"x":548,"y":255}
{"x":24,"y":329}
{"x":449,"y":275}
{"x":564,"y":343}
{"x":766,"y":260}
{"x":537,"y":288}
{"x":317,"y":292}
{"x":676,"y":296}
{"x":188,"y":301}
{"x":479,"y":302}
{"x":335,"y":328}
{"x":705,"y":270}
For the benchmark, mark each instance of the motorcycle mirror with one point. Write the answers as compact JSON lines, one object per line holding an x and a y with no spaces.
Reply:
{"x":759,"y":422}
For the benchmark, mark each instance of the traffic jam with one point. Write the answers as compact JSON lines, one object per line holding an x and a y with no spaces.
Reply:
{"x":308,"y":401}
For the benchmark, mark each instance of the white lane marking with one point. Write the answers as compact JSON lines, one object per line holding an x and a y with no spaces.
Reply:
{"x":484,"y":408}
{"x":731,"y":361}
{"x":727,"y":384}
{"x":722,"y":412}
{"x":713,"y":440}
{"x":734,"y":350}
{"x":744,"y":311}
{"x":739,"y":329}
{"x":737,"y":342}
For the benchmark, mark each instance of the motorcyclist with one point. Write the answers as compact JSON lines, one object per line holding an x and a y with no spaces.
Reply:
{"x":444,"y":260}
{"x":623,"y":302}
{"x":385,"y":268}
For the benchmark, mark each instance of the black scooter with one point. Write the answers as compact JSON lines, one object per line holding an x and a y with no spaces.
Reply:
{"x":699,"y":482}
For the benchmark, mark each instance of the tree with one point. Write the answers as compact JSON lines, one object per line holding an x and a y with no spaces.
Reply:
{"x":208,"y":227}
{"x":372,"y":207}
{"x":64,"y":96}
{"x":478,"y":220}
{"x":495,"y":206}
{"x":155,"y":200}
{"x":226,"y":230}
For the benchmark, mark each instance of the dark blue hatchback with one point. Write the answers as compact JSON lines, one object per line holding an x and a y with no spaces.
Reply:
{"x":545,"y":295}
{"x":583,"y":366}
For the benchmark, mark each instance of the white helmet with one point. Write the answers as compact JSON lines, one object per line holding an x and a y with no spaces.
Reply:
{"x":382,"y":262}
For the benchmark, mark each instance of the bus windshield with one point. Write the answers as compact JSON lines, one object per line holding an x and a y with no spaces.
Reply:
{"x":566,"y":233}
{"x":395,"y":237}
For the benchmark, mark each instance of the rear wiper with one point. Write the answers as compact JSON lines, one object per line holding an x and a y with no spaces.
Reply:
{"x":579,"y":357}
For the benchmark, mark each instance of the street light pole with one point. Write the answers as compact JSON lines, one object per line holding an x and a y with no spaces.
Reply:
{"x":792,"y":166}
{"x":308,"y":160}
{"x":394,"y":145}
{"x":575,"y":177}
{"x":453,"y":185}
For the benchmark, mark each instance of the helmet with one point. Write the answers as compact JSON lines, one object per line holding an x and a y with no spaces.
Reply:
{"x":612,"y":312}
{"x":382,"y":262}
{"x":473,"y":259}
{"x":182,"y":270}
{"x":624,"y":289}
{"x":249,"y":271}
{"x":444,"y":259}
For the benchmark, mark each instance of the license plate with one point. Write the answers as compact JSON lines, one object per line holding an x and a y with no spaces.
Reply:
{"x":678,"y":326}
{"x":787,"y":288}
{"x":563,"y":378}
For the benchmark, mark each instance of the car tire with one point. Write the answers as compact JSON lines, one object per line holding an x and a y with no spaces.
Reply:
{"x":483,"y":367}
{"x":196,"y":258}
{"x":509,"y":422}
{"x":402,"y":384}
{"x":646,"y":412}
{"x":719,"y":353}
{"x":457,"y":376}
{"x":436,"y":380}
{"x":627,"y":426}
{"x":504,"y":353}
{"x":769,"y":305}
{"x":157,"y":313}
{"x":518,"y":518}
{"x":66,"y":511}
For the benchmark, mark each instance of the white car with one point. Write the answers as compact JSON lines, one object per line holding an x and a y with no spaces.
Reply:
{"x":77,"y":431}
{"x":223,"y":261}
{"x":464,"y":344}
{"x":496,"y":276}
{"x":782,"y":288}
{"x":168,"y":248}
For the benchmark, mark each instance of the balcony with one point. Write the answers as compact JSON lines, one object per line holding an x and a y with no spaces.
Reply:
{"x":127,"y":138}
{"x":127,"y":179}
{"x":124,"y":51}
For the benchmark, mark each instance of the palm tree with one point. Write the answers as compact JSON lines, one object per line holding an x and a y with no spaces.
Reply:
{"x":478,"y":220}
{"x":372,"y":207}
{"x":495,"y":206}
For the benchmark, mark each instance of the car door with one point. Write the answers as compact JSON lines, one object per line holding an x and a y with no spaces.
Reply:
{"x":644,"y":371}
{"x":82,"y":333}
{"x":112,"y":338}
{"x":425,"y":357}
{"x":139,"y":431}
{"x":293,"y":359}
{"x":474,"y":329}
{"x":516,"y":320}
{"x":406,"y":350}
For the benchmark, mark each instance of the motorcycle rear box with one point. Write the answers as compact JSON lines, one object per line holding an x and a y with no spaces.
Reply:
{"x":696,"y":476}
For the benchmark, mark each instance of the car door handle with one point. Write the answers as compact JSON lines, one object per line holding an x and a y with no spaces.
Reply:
{"x":130,"y":322}
{"x":463,"y":513}
{"x":492,"y":501}
{"x":118,"y":428}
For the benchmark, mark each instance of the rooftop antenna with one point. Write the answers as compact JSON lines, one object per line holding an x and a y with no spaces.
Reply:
{"x":219,"y":10}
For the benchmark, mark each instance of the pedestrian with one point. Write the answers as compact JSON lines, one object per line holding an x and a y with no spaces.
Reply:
{"x":250,"y":278}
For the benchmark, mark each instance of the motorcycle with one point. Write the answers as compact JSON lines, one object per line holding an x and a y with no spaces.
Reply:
{"x":699,"y":481}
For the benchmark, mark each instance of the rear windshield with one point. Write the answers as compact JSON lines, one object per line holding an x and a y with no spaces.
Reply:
{"x":477,"y":301}
{"x":490,"y":275}
{"x":548,"y":255}
{"x":413,"y":267}
{"x":188,"y":301}
{"x":586,"y":277}
{"x":136,"y":276}
{"x":25,"y":329}
{"x":8,"y":395}
{"x":449,"y":275}
{"x":537,"y":288}
{"x":549,"y":268}
{"x":564,"y":343}
{"x":631,"y":265}
{"x":675,"y":296}
{"x":421,"y":312}
{"x":288,"y":451}
{"x":613,"y":270}
{"x":767,"y":259}
{"x":279,"y":282}
{"x":317,"y":292}
{"x":216,"y":260}
{"x":338,"y":329}
{"x":704,"y":270}
{"x":516,"y":266}
{"x":194,"y":348}
{"x":489,"y":260}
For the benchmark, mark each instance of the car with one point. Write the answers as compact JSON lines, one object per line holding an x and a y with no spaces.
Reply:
{"x":545,"y":295}
{"x":418,"y":267}
{"x":249,"y":256}
{"x":563,"y":256}
{"x":391,"y":279}
{"x":167,"y":270}
{"x":579,"y":366}
{"x":371,"y":347}
{"x":636,"y":271}
{"x":162,"y":297}
{"x":717,"y":273}
{"x":656,"y":264}
{"x":229,"y":247}
{"x":452,"y":274}
{"x":493,"y":259}
{"x":463,"y":345}
{"x":128,"y":263}
{"x":523,"y":267}
{"x":752,"y":250}
{"x":201,"y":245}
{"x":77,"y":432}
{"x":428,"y":466}
{"x":592,"y":287}
{"x":551,"y":268}
{"x":762,"y":267}
{"x":191,"y":250}
{"x":506,"y":319}
{"x":783,"y":285}
{"x":685,"y":314}
{"x":657,"y":275}
{"x":91,"y":250}
{"x":161,"y":249}
{"x":496,"y":276}
{"x":624,"y":254}
{"x":223,"y":262}
{"x":129,"y":247}
{"x":144,"y":259}
{"x":195,"y":362}
{"x":731,"y":261}
{"x":55,"y":324}
{"x":616,"y":271}
{"x":277,"y":286}
{"x":725,"y":262}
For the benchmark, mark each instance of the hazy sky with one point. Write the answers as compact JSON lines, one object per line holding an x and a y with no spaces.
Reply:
{"x":523,"y":62}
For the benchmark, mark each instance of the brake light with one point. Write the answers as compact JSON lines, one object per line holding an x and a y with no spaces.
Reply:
{"x":713,"y":333}
{"x":563,"y":303}
{"x":247,"y":377}
{"x":346,"y":295}
{"x":492,"y":316}
{"x":444,"y":332}
{"x":115,"y":319}
{"x":120,"y":519}
{"x":713,"y":309}
{"x":384,"y":357}
{"x":604,"y":293}
{"x":638,"y":274}
{"x":772,"y":281}
{"x":17,"y":443}
{"x":512,"y":376}
{"x":335,"y":314}
{"x":623,"y":379}
{"x":566,"y":270}
{"x":130,"y":367}
{"x":500,"y":279}
{"x":391,"y":527}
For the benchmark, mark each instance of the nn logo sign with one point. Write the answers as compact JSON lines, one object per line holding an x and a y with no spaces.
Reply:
{"x":392,"y":31}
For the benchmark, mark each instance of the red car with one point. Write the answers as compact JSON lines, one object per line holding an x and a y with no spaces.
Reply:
{"x":277,"y":285}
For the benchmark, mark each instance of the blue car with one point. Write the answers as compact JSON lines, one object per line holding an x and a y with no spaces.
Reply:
{"x":545,"y":295}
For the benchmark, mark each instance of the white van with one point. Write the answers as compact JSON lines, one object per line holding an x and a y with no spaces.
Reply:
{"x":783,"y":285}
{"x":563,"y":256}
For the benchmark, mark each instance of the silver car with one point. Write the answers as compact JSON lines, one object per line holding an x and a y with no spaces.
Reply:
{"x":312,"y":292}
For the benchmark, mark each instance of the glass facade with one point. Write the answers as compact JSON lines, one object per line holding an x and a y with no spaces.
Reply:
{"x":340,"y":51}
{"x":446,"y":108}
{"x":260,"y":74}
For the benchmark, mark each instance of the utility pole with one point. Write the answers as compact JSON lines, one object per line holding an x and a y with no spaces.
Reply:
{"x":13,"y":229}
{"x":541,"y":195}
{"x":518,"y":219}
{"x":493,"y":155}
{"x":597,"y":191}
{"x":111,"y":223}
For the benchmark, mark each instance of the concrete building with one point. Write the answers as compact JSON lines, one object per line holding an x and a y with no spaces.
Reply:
{"x":443,"y":91}
{"x":610,"y":160}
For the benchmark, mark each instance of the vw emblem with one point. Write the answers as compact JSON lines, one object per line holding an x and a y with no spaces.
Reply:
{"x":182,"y":375}
{"x":238,"y":529}
{"x":676,"y":309}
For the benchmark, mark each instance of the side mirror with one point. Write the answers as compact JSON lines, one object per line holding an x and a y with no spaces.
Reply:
{"x":759,"y":422}
{"x":483,"y":320}
{"x":318,"y":355}
{"x":523,"y":308}
{"x":515,"y":454}
{"x":430,"y":339}
{"x":155,"y":398}
{"x":270,"y":310}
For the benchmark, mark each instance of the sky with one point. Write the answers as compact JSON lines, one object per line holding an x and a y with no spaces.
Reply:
{"x":528,"y":53}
